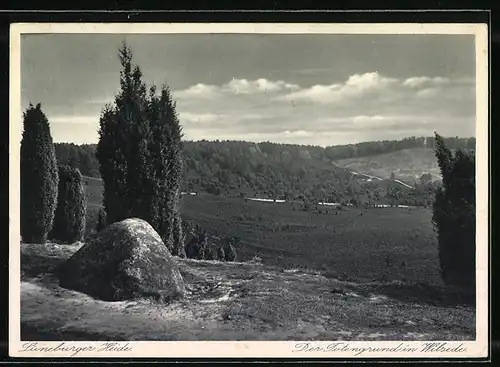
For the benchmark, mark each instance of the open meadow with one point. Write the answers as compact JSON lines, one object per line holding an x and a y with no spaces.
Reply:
{"x":355,"y":244}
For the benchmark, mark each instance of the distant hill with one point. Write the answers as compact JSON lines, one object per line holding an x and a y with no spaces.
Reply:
{"x":407,"y":164}
{"x":297,"y":172}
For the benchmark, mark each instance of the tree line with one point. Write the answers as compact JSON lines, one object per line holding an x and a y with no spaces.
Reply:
{"x":389,"y":146}
{"x":270,"y":170}
{"x":234,"y":154}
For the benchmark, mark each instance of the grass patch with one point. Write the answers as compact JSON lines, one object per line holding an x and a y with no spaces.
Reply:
{"x":383,"y":244}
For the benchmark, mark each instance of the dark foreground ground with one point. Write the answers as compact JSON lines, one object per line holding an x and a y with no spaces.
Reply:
{"x":241,"y":301}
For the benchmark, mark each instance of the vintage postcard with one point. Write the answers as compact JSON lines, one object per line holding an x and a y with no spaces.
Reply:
{"x":249,"y":190}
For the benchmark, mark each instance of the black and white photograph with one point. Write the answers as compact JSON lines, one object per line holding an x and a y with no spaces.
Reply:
{"x":312,"y":186}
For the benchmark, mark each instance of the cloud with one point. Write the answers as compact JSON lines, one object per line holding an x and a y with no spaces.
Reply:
{"x":197,"y":117}
{"x":198,"y":91}
{"x":73,"y":119}
{"x":78,"y":129}
{"x":364,"y":123}
{"x":368,"y":81}
{"x":235,"y":87}
{"x":316,"y":93}
{"x":298,"y":133}
{"x":370,"y":88}
{"x":366,"y":106}
{"x":362,"y":107}
{"x":356,"y":86}
{"x":339,"y":134}
{"x":423,"y":81}
{"x":428,"y":92}
{"x":369,"y":118}
{"x":257,"y":86}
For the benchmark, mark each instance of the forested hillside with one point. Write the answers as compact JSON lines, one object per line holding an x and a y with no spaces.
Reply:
{"x":236,"y":168}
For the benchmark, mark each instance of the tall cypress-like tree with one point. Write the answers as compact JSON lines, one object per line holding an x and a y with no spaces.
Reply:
{"x":444,"y":157}
{"x":140,"y":153}
{"x":454,"y":216}
{"x":121,"y":126}
{"x":39,"y":177}
{"x":165,"y":156}
{"x":69,"y":219}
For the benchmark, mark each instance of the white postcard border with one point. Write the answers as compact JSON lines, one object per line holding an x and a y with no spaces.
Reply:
{"x":256,"y":349}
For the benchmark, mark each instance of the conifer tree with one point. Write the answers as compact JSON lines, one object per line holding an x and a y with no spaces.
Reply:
{"x":121,"y":135}
{"x":140,"y":153}
{"x":39,"y":177}
{"x":166,"y":163}
{"x":454,"y":214}
{"x":444,"y":158}
{"x":69,"y":219}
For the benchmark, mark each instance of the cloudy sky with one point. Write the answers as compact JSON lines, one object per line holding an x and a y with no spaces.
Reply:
{"x":301,"y":89}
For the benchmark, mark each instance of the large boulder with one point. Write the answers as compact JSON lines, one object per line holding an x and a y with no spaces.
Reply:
{"x":126,"y":260}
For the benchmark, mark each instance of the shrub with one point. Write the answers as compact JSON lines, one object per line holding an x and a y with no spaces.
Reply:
{"x":39,"y":177}
{"x":192,"y":249}
{"x":256,"y":259}
{"x":211,"y":253}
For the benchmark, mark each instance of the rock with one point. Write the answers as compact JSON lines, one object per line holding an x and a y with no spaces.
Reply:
{"x":126,"y":260}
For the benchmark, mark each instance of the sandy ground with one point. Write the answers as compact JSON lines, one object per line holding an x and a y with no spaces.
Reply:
{"x":233,"y":301}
